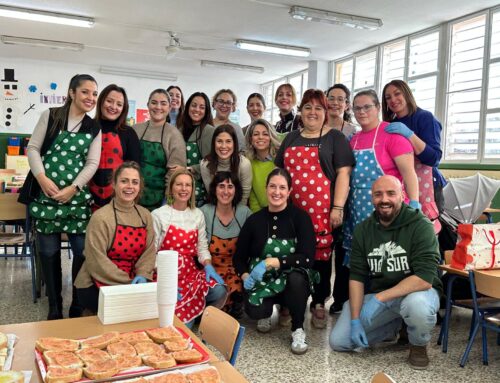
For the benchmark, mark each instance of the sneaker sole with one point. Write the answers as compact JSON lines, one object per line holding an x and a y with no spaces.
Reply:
{"x":298,"y":352}
{"x":418,"y":367}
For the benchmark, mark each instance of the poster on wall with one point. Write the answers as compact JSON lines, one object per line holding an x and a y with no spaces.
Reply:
{"x":10,"y":101}
{"x":142,"y":115}
{"x":131,"y":121}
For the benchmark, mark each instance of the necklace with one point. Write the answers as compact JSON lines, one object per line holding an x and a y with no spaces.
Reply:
{"x":76,"y":126}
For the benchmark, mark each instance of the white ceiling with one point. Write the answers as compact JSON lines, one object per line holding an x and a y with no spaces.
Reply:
{"x":135,"y":33}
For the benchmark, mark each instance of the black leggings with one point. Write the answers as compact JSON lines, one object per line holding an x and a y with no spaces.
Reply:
{"x":89,"y":298}
{"x":294,"y":297}
{"x":322,"y":290}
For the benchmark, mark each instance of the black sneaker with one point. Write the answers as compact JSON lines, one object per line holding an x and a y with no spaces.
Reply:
{"x":335,"y":309}
{"x":418,"y":358}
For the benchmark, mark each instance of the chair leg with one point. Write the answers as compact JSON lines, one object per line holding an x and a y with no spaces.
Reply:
{"x":485,"y":345}
{"x":33,"y":273}
{"x":445,"y":326}
{"x":472,"y":321}
{"x":469,"y":345}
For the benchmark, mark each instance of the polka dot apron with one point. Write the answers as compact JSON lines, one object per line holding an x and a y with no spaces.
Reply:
{"x":64,"y":160}
{"x":426,"y":193}
{"x":311,"y":192}
{"x":111,"y":158}
{"x":222,"y":251}
{"x":127,"y":246}
{"x":193,"y":156}
{"x":364,"y":174}
{"x":274,"y":281}
{"x":154,"y":169}
{"x":191,"y":280}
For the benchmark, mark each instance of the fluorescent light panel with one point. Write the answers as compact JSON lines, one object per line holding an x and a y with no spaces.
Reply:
{"x":352,"y":21}
{"x":278,"y":49}
{"x":41,"y":43}
{"x":46,"y":16}
{"x":220,"y":64}
{"x":138,"y":73}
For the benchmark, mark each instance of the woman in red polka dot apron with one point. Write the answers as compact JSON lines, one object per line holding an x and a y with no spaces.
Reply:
{"x":119,"y":245}
{"x":181,"y":227}
{"x":319,"y":160}
{"x":119,"y":142}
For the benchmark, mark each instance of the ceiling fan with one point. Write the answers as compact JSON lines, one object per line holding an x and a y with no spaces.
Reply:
{"x":174,"y":46}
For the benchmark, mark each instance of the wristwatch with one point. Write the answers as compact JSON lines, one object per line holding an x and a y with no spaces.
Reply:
{"x":77,"y":188}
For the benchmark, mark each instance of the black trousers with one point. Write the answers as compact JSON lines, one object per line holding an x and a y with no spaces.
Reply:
{"x":89,"y":298}
{"x":322,"y":290}
{"x":341,"y":284}
{"x":294,"y":297}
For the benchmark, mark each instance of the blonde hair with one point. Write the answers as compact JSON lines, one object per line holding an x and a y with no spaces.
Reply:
{"x":290,"y":86}
{"x":177,"y":173}
{"x":274,"y":145}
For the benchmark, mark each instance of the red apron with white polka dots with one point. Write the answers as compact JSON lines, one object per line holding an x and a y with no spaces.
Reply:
{"x":111,"y":157}
{"x":311,"y":192}
{"x":426,"y":193}
{"x":127,"y":247}
{"x":191,"y":280}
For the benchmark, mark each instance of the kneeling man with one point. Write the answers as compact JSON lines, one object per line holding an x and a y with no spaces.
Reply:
{"x":394,"y":261}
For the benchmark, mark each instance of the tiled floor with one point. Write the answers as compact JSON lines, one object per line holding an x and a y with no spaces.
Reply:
{"x":265,"y":358}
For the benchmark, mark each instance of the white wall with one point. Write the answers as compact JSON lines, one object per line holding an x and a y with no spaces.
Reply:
{"x":42,"y":73}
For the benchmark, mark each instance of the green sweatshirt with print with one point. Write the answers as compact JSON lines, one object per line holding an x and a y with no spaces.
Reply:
{"x":383,"y":256}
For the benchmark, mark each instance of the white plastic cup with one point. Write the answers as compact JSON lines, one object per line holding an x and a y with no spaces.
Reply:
{"x":166,"y":314}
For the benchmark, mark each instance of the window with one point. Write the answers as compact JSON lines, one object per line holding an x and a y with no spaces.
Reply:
{"x":492,"y":130}
{"x":344,"y":72}
{"x":365,"y":70}
{"x":393,"y":61}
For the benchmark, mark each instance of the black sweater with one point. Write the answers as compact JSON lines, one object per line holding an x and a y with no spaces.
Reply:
{"x":290,"y":223}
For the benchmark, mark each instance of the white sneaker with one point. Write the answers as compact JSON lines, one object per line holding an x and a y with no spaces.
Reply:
{"x":264,"y":325}
{"x":299,"y":345}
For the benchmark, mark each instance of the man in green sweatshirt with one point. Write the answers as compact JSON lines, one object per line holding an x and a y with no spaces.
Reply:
{"x":393,"y":277}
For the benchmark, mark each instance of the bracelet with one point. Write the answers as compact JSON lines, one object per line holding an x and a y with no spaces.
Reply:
{"x":338,"y":207}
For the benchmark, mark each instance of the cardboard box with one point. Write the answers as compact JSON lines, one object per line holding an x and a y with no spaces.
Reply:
{"x":19,"y":163}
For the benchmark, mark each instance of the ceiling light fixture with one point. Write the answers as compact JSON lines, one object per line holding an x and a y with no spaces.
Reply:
{"x":46,"y":16}
{"x":131,"y":72}
{"x":278,"y":49}
{"x":41,"y":43}
{"x":352,"y":21}
{"x":220,"y":64}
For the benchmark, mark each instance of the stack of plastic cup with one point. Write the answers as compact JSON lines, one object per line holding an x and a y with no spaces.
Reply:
{"x":166,"y":265}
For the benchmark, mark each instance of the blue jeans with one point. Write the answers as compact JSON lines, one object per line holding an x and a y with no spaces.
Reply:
{"x":417,"y":309}
{"x":216,"y":294}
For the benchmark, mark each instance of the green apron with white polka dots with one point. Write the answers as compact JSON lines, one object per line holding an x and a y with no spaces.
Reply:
{"x":193,"y":156}
{"x":154,"y":169}
{"x":274,"y":281}
{"x":63,"y":162}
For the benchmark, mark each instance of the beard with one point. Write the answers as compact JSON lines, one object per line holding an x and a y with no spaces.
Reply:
{"x":387,"y":212}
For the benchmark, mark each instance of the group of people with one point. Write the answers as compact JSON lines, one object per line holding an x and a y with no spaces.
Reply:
{"x":256,"y":214}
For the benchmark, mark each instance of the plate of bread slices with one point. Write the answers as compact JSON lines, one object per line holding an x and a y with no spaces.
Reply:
{"x":114,"y":355}
{"x":196,"y":374}
{"x":7,"y":342}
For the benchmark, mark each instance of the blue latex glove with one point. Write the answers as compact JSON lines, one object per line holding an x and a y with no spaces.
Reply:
{"x":371,"y":308}
{"x":249,"y":283}
{"x":358,"y":335}
{"x":212,"y":274}
{"x":258,"y":271}
{"x":415,"y":204}
{"x":399,"y":128}
{"x":138,"y":279}
{"x":179,"y":295}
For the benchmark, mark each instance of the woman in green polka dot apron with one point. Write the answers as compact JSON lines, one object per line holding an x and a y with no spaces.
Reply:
{"x":274,"y":257}
{"x":63,"y":154}
{"x":197,"y":130}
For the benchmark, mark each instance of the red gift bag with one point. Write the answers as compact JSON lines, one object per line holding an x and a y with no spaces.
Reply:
{"x":477,"y":247}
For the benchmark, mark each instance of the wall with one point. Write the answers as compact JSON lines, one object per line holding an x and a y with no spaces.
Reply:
{"x":24,"y":106}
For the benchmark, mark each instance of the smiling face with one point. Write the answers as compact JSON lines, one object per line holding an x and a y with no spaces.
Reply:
{"x":158,"y":107}
{"x":175,"y":98}
{"x":261,"y":140}
{"x":197,"y":110}
{"x":277,"y":191}
{"x":127,"y":186}
{"x":224,"y":105}
{"x":224,"y":146}
{"x":255,"y":108}
{"x":225,"y":192}
{"x":366,"y":112}
{"x":396,"y":101}
{"x":182,"y":188}
{"x":313,"y":115}
{"x":112,"y":106}
{"x":285,"y":100}
{"x":337,"y":103}
{"x":84,"y":97}
{"x":387,"y":198}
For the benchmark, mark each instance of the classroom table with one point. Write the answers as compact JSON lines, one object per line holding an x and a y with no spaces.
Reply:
{"x":28,"y":333}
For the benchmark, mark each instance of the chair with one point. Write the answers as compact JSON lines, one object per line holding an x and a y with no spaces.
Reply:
{"x":486,"y":283}
{"x":382,"y":377}
{"x":221,"y":331}
{"x":11,"y":210}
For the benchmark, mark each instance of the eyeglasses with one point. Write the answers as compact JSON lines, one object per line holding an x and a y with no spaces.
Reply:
{"x":339,"y":99}
{"x":222,"y":102}
{"x":364,"y":108}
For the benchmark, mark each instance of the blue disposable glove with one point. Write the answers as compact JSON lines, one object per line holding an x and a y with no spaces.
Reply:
{"x":210,"y":273}
{"x":371,"y":308}
{"x":399,"y":128}
{"x":138,"y":279}
{"x":249,"y":283}
{"x":258,"y":271}
{"x":179,"y":295}
{"x":415,"y":204}
{"x":358,"y":335}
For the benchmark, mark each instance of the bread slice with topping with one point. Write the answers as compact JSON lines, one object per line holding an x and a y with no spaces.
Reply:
{"x":121,"y":348}
{"x":92,"y":355}
{"x":101,"y":341}
{"x":159,"y":360}
{"x":57,"y":374}
{"x":101,"y":370}
{"x":187,"y":356}
{"x":162,"y":334}
{"x":56,"y":344}
{"x":62,"y":358}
